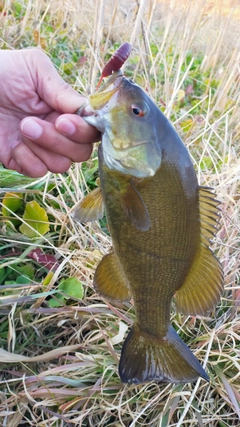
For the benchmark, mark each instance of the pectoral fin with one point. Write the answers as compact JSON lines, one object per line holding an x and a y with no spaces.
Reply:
{"x":135,"y":209}
{"x":110,"y":281}
{"x":90,"y":208}
{"x":203,"y":285}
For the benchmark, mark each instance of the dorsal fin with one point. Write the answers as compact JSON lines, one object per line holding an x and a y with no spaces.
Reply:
{"x":203,"y":285}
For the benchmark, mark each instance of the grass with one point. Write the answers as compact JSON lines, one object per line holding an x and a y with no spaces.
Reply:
{"x":188,"y":61}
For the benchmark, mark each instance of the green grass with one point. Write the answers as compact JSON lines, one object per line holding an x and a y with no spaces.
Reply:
{"x":188,"y":62}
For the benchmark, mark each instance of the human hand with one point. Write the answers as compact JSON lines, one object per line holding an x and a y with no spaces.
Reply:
{"x":35,"y":134}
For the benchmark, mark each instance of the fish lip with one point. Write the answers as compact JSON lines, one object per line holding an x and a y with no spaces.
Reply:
{"x":85,"y":110}
{"x":101,"y":98}
{"x":107,"y":91}
{"x":113,"y":79}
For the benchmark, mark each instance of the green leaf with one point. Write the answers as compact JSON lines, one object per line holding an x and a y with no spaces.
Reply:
{"x":2,"y":274}
{"x":206,"y":163}
{"x":59,"y":302}
{"x":186,"y":125}
{"x":26,"y":270}
{"x":12,"y":201}
{"x":36,"y":220}
{"x":71,"y":287}
{"x":23,"y":280}
{"x":17,"y":8}
{"x":20,"y":280}
{"x":47,"y":279}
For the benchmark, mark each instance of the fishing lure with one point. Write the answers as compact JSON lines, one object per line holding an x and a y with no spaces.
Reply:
{"x":116,"y":61}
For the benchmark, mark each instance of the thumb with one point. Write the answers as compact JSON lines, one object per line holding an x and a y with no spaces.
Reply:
{"x":51,"y":88}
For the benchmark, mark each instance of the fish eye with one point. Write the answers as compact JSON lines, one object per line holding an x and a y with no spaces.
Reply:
{"x":137,"y":110}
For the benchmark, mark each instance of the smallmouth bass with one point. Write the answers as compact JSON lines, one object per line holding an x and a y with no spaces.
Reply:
{"x":161,"y":222}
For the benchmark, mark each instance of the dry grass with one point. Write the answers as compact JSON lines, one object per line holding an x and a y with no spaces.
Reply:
{"x":80,"y":385}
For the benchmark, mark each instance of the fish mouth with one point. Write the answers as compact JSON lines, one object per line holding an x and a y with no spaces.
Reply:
{"x":98,"y":100}
{"x":115,"y":79}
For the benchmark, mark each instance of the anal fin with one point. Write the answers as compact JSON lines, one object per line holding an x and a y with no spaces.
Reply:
{"x":203,"y":285}
{"x":109,"y":279}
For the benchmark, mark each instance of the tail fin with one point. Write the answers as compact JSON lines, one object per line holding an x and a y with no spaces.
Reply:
{"x":146,"y":358}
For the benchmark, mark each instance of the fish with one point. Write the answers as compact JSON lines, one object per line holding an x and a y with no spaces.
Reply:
{"x":161,"y":223}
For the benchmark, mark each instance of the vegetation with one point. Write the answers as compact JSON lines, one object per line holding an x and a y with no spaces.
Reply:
{"x":60,"y":342}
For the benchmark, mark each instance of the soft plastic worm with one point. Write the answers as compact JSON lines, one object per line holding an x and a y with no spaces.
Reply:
{"x":116,"y":61}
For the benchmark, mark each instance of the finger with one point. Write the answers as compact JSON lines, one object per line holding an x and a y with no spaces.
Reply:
{"x":42,"y":135}
{"x":76,"y":129}
{"x":54,"y":162}
{"x":24,"y":161}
